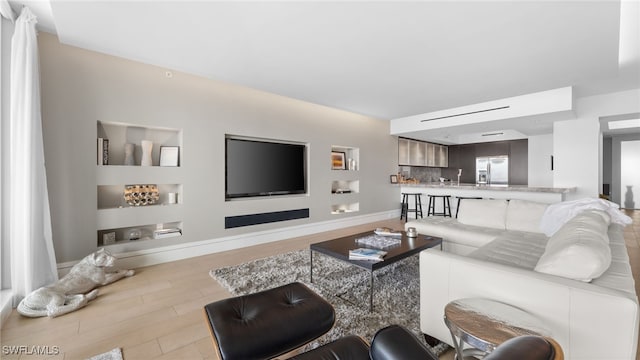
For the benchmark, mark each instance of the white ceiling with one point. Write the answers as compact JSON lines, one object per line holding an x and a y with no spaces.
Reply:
{"x":386,"y":59}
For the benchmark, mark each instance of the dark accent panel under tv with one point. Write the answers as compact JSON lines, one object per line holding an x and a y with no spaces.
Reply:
{"x":264,"y":218}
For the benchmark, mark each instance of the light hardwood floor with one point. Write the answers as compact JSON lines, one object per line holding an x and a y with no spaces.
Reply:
{"x":157,"y":314}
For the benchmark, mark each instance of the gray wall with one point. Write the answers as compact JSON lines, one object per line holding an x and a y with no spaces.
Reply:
{"x":80,"y":87}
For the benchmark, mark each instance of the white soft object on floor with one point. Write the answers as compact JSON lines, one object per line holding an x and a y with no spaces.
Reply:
{"x":74,"y":290}
{"x":487,"y":213}
{"x":580,"y":249}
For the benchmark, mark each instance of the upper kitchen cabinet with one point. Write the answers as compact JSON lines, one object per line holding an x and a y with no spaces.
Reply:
{"x":420,"y":153}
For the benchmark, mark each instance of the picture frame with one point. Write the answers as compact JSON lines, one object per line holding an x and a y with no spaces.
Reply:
{"x":169,"y":155}
{"x":338,"y":160}
{"x":393,"y":179}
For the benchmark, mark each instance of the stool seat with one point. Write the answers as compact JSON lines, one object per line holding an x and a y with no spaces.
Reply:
{"x":405,"y":210}
{"x":446,"y":206}
{"x":269,"y":323}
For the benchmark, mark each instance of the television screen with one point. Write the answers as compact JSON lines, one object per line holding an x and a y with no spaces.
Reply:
{"x":264,"y":168}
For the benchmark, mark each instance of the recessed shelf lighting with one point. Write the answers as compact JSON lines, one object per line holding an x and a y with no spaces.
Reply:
{"x":624,"y":124}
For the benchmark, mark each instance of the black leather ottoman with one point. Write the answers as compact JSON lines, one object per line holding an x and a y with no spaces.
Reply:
{"x":269,"y":323}
{"x":350,"y":347}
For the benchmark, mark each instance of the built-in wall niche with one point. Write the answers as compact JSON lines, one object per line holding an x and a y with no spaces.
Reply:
{"x":345,"y":208}
{"x":345,"y":158}
{"x":345,"y":186}
{"x":112,"y":196}
{"x":118,"y":134}
{"x":139,"y":233}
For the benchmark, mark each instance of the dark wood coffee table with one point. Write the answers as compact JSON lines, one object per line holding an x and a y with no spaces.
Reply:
{"x":339,"y":249}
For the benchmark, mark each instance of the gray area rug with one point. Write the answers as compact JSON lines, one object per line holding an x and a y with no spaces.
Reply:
{"x":395,"y":300}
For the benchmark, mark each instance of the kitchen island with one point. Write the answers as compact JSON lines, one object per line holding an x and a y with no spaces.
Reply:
{"x":523,"y":192}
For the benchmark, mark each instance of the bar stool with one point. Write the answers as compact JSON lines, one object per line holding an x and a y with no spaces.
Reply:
{"x":446,"y":206}
{"x":417,"y":209}
{"x":462,"y":198}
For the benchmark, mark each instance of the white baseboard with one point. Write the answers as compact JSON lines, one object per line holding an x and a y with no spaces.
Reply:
{"x":6,"y":300}
{"x":136,"y":259}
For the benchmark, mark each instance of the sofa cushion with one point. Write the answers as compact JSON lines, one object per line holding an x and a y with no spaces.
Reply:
{"x":521,"y":249}
{"x":525,"y":215}
{"x":486,"y":213}
{"x":450,"y":230}
{"x":579,"y":250}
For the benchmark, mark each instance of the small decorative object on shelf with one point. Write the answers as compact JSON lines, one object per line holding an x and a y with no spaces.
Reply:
{"x":352,"y":164}
{"x":135,"y":234}
{"x":140,"y":195}
{"x":172,"y":198}
{"x":109,"y":238}
{"x":147,"y":146}
{"x":128,"y":154}
{"x":166,"y":233}
{"x":103,"y":151}
{"x":169,"y":155}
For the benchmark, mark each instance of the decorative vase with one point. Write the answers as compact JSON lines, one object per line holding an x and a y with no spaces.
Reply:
{"x":147,"y":145}
{"x":128,"y":154}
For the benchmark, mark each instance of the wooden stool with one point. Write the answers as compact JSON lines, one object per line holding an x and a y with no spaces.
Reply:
{"x":446,"y":205}
{"x":462,"y":198}
{"x":405,"y":210}
{"x":482,"y":324}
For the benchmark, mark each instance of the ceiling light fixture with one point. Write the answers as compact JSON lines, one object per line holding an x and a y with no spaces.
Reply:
{"x":624,"y":124}
{"x":493,"y":134}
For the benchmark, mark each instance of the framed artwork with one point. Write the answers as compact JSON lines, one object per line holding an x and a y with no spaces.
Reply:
{"x":169,"y":155}
{"x":394,"y":179}
{"x":338,"y":160}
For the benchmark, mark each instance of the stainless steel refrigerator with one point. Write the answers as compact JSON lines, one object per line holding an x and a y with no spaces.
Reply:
{"x":492,"y":170}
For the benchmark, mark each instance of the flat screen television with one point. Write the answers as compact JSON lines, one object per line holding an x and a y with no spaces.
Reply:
{"x":264,"y":168}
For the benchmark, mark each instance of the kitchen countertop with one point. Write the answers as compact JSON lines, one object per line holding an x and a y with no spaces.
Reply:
{"x":466,"y":186}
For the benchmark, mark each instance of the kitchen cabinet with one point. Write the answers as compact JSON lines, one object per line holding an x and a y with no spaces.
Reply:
{"x":421,"y":153}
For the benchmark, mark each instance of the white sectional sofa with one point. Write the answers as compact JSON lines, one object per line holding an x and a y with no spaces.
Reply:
{"x":578,"y":281}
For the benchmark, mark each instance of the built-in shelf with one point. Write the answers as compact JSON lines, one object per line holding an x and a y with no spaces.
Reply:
{"x":350,"y":156}
{"x":345,"y":208}
{"x":122,"y":234}
{"x":340,"y":187}
{"x":115,"y":217}
{"x":345,"y":185}
{"x":120,"y":134}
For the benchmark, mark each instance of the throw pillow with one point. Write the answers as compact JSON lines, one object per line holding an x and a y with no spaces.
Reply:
{"x":579,"y":250}
{"x":486,"y":213}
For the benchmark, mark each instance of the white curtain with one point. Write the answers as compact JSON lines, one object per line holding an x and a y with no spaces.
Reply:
{"x":33,"y":261}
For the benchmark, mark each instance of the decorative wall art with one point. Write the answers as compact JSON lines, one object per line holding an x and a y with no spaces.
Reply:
{"x":338,"y":160}
{"x":169,"y":155}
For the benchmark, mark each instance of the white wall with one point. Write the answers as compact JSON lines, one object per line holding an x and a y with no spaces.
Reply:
{"x":577,"y":143}
{"x":80,"y":87}
{"x":539,"y":152}
{"x":624,"y":171}
{"x":630,"y":176}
